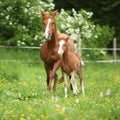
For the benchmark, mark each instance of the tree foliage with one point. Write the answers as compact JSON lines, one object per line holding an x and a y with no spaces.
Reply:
{"x":74,"y":23}
{"x":105,"y":12}
{"x":20,"y":21}
{"x":21,"y":24}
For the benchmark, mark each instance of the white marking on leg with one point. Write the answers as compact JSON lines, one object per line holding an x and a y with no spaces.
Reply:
{"x":47,"y":28}
{"x":65,"y":85}
{"x":74,"y":89}
{"x":83,"y":91}
{"x":73,"y":83}
{"x":77,"y":91}
{"x":65,"y":89}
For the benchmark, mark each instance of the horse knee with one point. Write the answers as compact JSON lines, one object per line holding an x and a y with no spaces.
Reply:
{"x":52,"y":74}
{"x":55,"y":76}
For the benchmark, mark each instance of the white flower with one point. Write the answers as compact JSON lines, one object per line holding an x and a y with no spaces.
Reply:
{"x":7,"y":17}
{"x":103,"y":52}
{"x":23,"y":27}
{"x":88,"y":55}
{"x":28,"y":4}
{"x":101,"y":94}
{"x":77,"y":31}
{"x":77,"y":101}
{"x":25,"y":10}
{"x":18,"y":41}
{"x":108,"y":92}
{"x":95,"y":36}
{"x":22,"y":43}
{"x":36,"y":37}
{"x":10,"y":23}
{"x":40,"y":77}
{"x":1,"y":14}
{"x":63,"y":26}
{"x":9,"y":8}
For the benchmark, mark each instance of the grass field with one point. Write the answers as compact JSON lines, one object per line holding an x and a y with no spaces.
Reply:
{"x":23,"y":94}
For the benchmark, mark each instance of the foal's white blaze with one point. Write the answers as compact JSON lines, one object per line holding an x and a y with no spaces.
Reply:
{"x":47,"y":29}
{"x":60,"y":50}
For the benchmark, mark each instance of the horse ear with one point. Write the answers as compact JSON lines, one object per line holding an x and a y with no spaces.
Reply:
{"x":67,"y":38}
{"x":54,"y":13}
{"x":43,"y":13}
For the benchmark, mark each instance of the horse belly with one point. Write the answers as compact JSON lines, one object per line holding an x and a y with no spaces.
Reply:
{"x":66,"y":69}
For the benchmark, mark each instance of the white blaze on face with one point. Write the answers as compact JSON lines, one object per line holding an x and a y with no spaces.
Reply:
{"x":60,"y":50}
{"x":47,"y":29}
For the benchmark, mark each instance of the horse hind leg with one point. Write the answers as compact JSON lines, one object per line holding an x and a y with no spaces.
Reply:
{"x":73,"y":82}
{"x":83,"y":87}
{"x":71,"y":88}
{"x":81,"y":82}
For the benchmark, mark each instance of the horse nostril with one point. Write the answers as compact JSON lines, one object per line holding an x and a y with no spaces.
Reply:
{"x":49,"y":35}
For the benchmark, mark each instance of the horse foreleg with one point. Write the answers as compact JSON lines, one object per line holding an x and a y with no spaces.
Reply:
{"x":47,"y":70}
{"x":62,"y":78}
{"x":65,"y":84}
{"x":54,"y":75}
{"x":71,"y":88}
{"x":55,"y":82}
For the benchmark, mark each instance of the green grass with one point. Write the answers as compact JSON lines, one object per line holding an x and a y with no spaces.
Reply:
{"x":23,"y":94}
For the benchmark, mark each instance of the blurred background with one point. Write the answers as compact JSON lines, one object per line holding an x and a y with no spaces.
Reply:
{"x":96,"y":22}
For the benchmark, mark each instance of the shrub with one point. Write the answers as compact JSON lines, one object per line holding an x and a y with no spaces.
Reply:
{"x":92,"y":36}
{"x":21,"y":25}
{"x":20,"y":21}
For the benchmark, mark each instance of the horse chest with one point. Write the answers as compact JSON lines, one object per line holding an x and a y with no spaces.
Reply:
{"x":66,"y":68}
{"x":51,"y":57}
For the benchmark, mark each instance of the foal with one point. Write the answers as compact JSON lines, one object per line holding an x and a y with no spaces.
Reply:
{"x":71,"y":64}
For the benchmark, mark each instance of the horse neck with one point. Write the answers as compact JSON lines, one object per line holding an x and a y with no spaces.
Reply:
{"x":55,"y":37}
{"x":65,"y":56}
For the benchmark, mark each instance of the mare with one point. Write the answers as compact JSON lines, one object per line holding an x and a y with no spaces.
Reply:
{"x":48,"y":51}
{"x":71,"y":64}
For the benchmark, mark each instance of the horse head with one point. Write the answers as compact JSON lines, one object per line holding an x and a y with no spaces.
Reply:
{"x":49,"y":24}
{"x":62,"y":46}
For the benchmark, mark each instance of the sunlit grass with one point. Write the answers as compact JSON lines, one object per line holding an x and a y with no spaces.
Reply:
{"x":23,"y":94}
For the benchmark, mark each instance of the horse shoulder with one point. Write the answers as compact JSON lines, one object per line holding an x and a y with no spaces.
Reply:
{"x":43,"y":50}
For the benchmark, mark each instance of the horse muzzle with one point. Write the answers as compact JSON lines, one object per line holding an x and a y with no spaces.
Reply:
{"x":49,"y":37}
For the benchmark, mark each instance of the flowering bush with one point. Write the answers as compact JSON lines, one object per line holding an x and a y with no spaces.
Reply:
{"x":20,"y":21}
{"x":21,"y":25}
{"x":76,"y":23}
{"x":92,"y":36}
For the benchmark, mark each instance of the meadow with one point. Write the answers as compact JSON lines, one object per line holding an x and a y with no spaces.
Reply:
{"x":23,"y":93}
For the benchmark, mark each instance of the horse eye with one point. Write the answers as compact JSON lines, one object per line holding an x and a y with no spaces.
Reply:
{"x":43,"y":23}
{"x":64,"y":45}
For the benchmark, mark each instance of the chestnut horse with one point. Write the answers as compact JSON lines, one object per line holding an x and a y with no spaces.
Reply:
{"x":71,"y":64}
{"x":48,"y":51}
